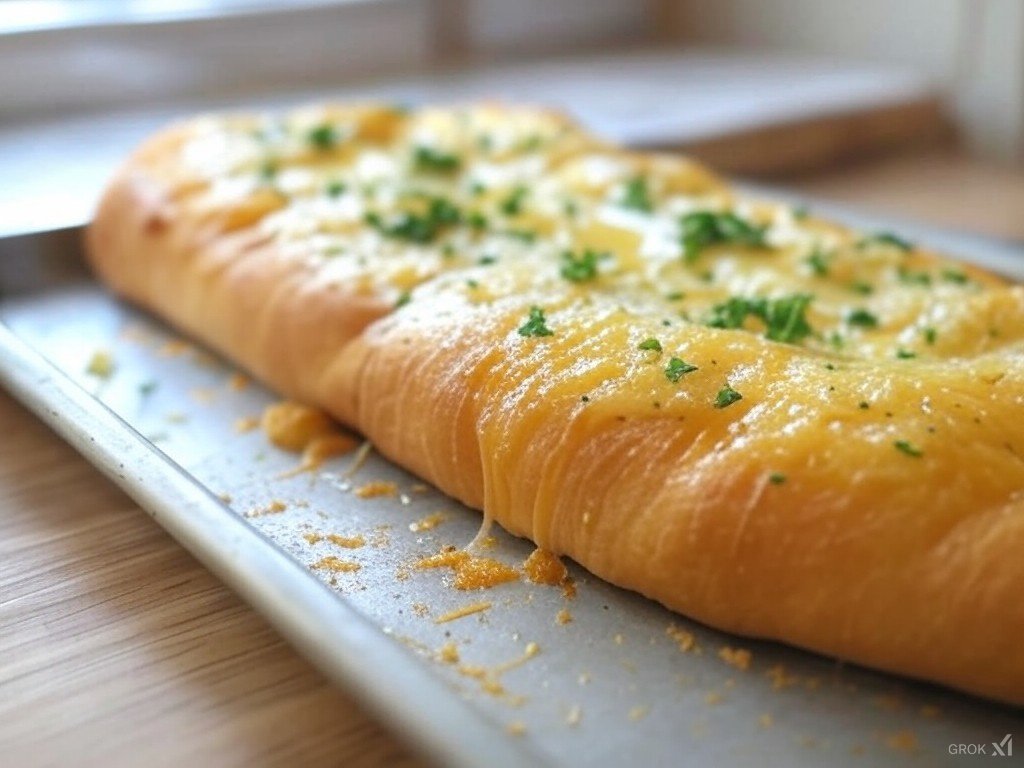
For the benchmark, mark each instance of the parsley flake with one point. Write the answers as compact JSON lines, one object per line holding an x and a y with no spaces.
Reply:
{"x":784,"y":318}
{"x":513,"y":204}
{"x":677,"y":368}
{"x":886,"y":239}
{"x":776,"y":478}
{"x":907,"y":447}
{"x":651,"y":344}
{"x":726,"y":397}
{"x":706,"y":228}
{"x":636,"y":195}
{"x":862,"y":319}
{"x":818,"y":261}
{"x":322,"y":136}
{"x":435,"y":161}
{"x":536,"y":324}
{"x":580,"y":269}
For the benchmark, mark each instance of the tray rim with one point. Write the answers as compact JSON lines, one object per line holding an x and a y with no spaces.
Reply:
{"x":341,"y":642}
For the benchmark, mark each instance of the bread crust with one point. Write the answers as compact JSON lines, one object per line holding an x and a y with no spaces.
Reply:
{"x":906,"y":563}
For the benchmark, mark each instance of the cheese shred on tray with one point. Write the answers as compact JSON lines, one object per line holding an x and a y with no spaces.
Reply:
{"x":759,"y":418}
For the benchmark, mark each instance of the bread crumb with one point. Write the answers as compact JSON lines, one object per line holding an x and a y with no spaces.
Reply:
{"x":101,"y":365}
{"x":780,"y":678}
{"x":573,"y":716}
{"x":312,"y":538}
{"x":292,"y":426}
{"x":685,"y":640}
{"x":735,"y":657}
{"x":713,"y":698}
{"x":225,"y":497}
{"x":246,"y":424}
{"x":638,"y":713}
{"x":765,"y":721}
{"x":583,"y":678}
{"x":203,"y":395}
{"x":449,"y":653}
{"x":563,"y":617}
{"x":375,"y":489}
{"x":335,"y":565}
{"x":348,"y":542}
{"x":174,"y":347}
{"x":421,"y":609}
{"x":275,"y":507}
{"x":902,"y":741}
{"x":543,"y":567}
{"x":238,"y":381}
{"x":458,"y":613}
{"x":428,"y":523}
{"x":515,"y":728}
{"x":619,"y":639}
{"x":471,"y":571}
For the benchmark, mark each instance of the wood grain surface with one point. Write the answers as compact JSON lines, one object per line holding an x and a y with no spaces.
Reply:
{"x":117,"y":648}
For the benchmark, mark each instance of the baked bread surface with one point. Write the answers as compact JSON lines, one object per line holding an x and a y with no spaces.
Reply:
{"x":757,"y":417}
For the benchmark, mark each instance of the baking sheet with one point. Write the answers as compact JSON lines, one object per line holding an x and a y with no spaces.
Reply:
{"x":613,"y":685}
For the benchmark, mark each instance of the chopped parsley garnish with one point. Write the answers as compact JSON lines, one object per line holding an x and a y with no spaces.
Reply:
{"x":784,"y":318}
{"x":726,"y":397}
{"x":954,"y":276}
{"x":636,"y":195}
{"x":531,"y":143}
{"x":930,"y":335}
{"x":674,"y":296}
{"x":863,"y":405}
{"x":705,"y":228}
{"x":322,"y":136}
{"x":580,"y":269}
{"x":525,"y":235}
{"x":147,"y":388}
{"x":487,"y":260}
{"x":433,"y":160}
{"x":336,"y":188}
{"x":801,"y":212}
{"x":776,"y":478}
{"x":907,"y":447}
{"x":864,"y":289}
{"x":651,"y":344}
{"x":267,"y":171}
{"x":913,"y":278}
{"x":905,"y":354}
{"x":886,"y":238}
{"x":477,"y":220}
{"x":862,"y":319}
{"x":513,"y":204}
{"x":403,"y":298}
{"x":536,"y":324}
{"x":677,"y":368}
{"x":818,"y":262}
{"x":417,"y":228}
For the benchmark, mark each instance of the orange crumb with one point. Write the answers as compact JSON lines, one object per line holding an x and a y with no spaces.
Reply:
{"x":292,"y":426}
{"x":246,"y":424}
{"x":542,"y":567}
{"x":466,"y":610}
{"x":449,"y":653}
{"x":275,"y":507}
{"x":174,"y":347}
{"x":334,"y":564}
{"x":376,"y":488}
{"x":348,"y":542}
{"x":902,"y":741}
{"x":735,"y":657}
{"x":489,"y":542}
{"x":471,"y":571}
{"x":312,"y":538}
{"x":685,"y":640}
{"x":420,"y":609}
{"x":428,"y":523}
{"x":780,"y":678}
{"x":238,"y":382}
{"x":516,"y":728}
{"x":563,"y":617}
{"x":419,"y":488}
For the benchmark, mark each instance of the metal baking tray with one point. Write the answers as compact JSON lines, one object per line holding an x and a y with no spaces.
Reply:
{"x":613,"y":686}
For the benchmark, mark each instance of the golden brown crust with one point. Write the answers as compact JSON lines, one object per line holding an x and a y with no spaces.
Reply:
{"x":909,"y":563}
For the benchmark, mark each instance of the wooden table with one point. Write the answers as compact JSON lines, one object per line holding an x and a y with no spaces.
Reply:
{"x":116,"y":647}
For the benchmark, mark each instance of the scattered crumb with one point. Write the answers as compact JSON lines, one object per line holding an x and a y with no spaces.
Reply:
{"x":466,"y":610}
{"x":584,"y":678}
{"x":319,"y":450}
{"x":428,"y":523}
{"x":203,"y":395}
{"x":421,"y":609}
{"x":489,"y":542}
{"x":735,"y":657}
{"x":638,"y":713}
{"x":543,"y":567}
{"x":569,"y":588}
{"x":713,"y":698}
{"x":246,"y":424}
{"x":573,"y":716}
{"x":174,"y":347}
{"x":335,"y":565}
{"x":419,"y":488}
{"x":516,"y":728}
{"x":101,"y":364}
{"x":619,"y":639}
{"x":685,"y":640}
{"x":238,"y":381}
{"x":449,"y":653}
{"x":765,"y":721}
{"x":292,"y":426}
{"x":275,"y":507}
{"x":313,"y":538}
{"x":780,"y":678}
{"x":902,"y":741}
{"x":471,"y":571}
{"x":225,"y":497}
{"x":563,"y":617}
{"x":375,"y":489}
{"x":348,"y":542}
